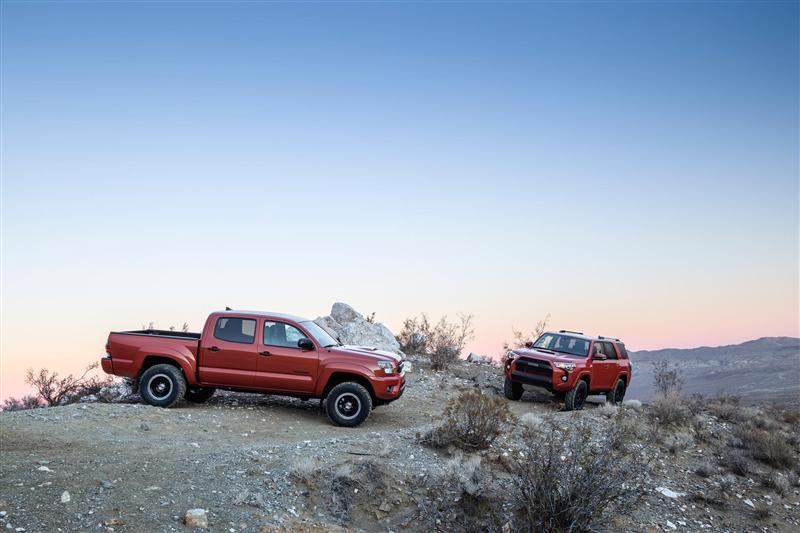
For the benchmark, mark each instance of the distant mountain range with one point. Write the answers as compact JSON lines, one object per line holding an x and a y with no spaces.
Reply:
{"x":760,"y":371}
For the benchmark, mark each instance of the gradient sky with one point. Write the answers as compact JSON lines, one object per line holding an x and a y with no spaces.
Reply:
{"x":630,"y":168}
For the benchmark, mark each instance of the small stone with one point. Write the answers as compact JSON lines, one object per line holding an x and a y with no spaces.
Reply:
{"x":144,"y":427}
{"x":671,"y":525}
{"x":196,"y":518}
{"x":194,"y":444}
{"x":43,"y":469}
{"x":65,"y":497}
{"x":106,"y":484}
{"x":669,"y":493}
{"x":750,"y":503}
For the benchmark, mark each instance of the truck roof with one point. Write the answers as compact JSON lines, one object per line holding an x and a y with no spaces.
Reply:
{"x":263,"y":314}
{"x":582,"y":336}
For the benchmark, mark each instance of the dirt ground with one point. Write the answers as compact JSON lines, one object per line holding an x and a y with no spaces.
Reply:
{"x":132,"y":467}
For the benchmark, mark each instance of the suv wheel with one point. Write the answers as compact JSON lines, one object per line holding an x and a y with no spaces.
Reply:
{"x":617,"y":394}
{"x":162,"y":385}
{"x":198,"y":394}
{"x":575,"y":398}
{"x":348,"y":404}
{"x":512,"y":390}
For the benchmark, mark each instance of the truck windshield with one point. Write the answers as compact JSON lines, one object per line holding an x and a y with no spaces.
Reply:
{"x":320,"y":335}
{"x":563,"y":344}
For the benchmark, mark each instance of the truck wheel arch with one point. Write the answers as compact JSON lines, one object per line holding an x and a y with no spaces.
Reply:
{"x":342,"y":377}
{"x":152,"y":360}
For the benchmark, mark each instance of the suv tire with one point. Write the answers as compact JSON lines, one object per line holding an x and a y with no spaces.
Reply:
{"x":348,"y":404}
{"x":575,"y":398}
{"x":512,"y":390}
{"x":617,"y":394}
{"x":199,"y":394}
{"x":162,"y":385}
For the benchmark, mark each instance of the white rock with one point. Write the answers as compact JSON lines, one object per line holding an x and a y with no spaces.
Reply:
{"x":43,"y":469}
{"x":669,"y":493}
{"x":89,"y":399}
{"x":352,"y":328}
{"x":475,"y":358}
{"x":671,"y":525}
{"x":750,"y":503}
{"x":196,"y":518}
{"x":117,"y":391}
{"x":65,"y":497}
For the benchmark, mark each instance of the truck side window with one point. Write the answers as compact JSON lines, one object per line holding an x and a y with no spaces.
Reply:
{"x":242,"y":330}
{"x":281,"y":334}
{"x":609,"y":350}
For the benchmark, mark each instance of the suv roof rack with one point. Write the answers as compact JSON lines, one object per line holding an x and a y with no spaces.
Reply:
{"x":568,"y":331}
{"x":608,"y":338}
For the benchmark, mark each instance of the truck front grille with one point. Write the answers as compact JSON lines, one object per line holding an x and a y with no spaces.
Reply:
{"x":534,"y":366}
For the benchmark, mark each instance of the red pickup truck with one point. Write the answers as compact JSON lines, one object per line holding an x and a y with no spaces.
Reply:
{"x":250,"y":351}
{"x":571,"y":365}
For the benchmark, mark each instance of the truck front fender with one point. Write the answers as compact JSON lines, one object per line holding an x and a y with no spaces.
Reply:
{"x":341,"y":367}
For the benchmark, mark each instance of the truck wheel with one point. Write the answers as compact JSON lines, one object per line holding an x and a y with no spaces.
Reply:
{"x":348,"y":404}
{"x":574,"y":399}
{"x":617,"y":394}
{"x":162,"y":385}
{"x":512,"y":390}
{"x":199,"y":394}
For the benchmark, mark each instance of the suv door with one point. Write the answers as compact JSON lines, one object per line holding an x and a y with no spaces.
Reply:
{"x":228,"y":355}
{"x":282,"y":364}
{"x":604,"y":369}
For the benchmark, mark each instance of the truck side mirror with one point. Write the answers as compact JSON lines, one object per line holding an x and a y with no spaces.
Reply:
{"x":529,"y":344}
{"x":305,"y":344}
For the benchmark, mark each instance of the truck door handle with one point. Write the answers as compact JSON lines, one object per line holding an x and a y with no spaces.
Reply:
{"x":264,"y":353}
{"x":213,"y":349}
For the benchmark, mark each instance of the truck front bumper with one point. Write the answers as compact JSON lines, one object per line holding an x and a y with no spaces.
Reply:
{"x":389,"y":388}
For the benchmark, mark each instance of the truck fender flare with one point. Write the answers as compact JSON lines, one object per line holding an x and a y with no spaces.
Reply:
{"x":175,"y":356}
{"x":334,"y":367}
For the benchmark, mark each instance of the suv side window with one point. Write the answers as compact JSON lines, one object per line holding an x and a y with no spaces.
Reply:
{"x":241,"y":330}
{"x":281,"y":334}
{"x":598,"y":348}
{"x":609,"y":350}
{"x":622,"y":351}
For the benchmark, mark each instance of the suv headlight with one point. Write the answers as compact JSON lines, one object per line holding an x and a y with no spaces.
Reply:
{"x":386,"y":366}
{"x":569,"y":367}
{"x":511,"y":355}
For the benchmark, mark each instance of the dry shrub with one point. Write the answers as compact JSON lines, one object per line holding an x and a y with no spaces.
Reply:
{"x":704,"y":471}
{"x":717,"y":494}
{"x":55,"y":390}
{"x":21,"y":404}
{"x":777,"y":482}
{"x":473,"y":420}
{"x":521,"y":339}
{"x":769,"y":447}
{"x":442,"y":343}
{"x":667,"y":378}
{"x":791,"y":416}
{"x":736,"y":462}
{"x":678,"y":442}
{"x":575,"y":478}
{"x":340,"y":486}
{"x":725,"y":407}
{"x":669,"y":410}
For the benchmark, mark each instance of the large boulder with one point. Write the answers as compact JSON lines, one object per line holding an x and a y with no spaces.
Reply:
{"x":352,"y":328}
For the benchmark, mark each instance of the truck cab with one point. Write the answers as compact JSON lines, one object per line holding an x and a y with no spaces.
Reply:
{"x":572,"y":366}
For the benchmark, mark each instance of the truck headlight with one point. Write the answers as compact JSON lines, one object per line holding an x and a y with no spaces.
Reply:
{"x":511,"y":355}
{"x":386,"y":366}
{"x":569,"y":367}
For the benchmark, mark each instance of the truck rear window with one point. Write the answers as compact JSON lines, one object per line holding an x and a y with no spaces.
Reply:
{"x":242,"y":330}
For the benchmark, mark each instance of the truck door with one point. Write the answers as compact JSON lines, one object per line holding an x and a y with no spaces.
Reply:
{"x":228,"y":355}
{"x":603,"y":367}
{"x":282,"y":364}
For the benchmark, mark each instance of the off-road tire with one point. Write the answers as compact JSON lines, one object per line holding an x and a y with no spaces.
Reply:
{"x":513,"y":390}
{"x":162,"y":385}
{"x":348,"y":404}
{"x":575,"y":398}
{"x":199,"y":394}
{"x":617,"y":394}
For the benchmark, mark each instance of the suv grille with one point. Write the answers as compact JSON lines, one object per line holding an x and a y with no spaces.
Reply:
{"x":534,"y":366}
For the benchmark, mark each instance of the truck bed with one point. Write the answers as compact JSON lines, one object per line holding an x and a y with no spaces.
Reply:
{"x":161,"y":333}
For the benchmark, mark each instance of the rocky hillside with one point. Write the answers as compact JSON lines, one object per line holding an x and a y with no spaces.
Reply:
{"x":764,"y":370}
{"x":246,"y":462}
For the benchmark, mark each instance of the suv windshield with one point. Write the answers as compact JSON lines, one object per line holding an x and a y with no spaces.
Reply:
{"x":322,"y":337}
{"x":563,"y":344}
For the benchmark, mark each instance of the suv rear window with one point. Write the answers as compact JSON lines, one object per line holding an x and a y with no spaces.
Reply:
{"x":241,"y":330}
{"x":622,"y":351}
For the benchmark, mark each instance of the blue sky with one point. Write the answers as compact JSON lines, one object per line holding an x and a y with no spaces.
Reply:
{"x":630,"y":168}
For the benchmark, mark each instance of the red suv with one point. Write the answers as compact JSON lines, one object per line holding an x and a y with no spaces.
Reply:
{"x":572,"y":366}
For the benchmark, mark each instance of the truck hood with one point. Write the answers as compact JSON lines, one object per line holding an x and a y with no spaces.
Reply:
{"x":546,"y":355}
{"x":372,"y":354}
